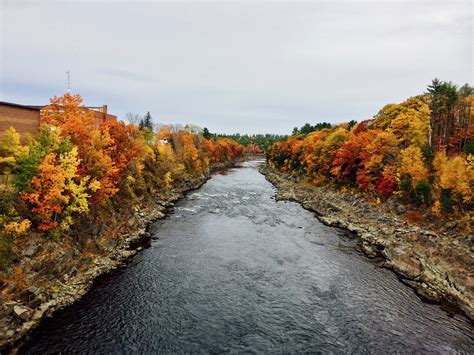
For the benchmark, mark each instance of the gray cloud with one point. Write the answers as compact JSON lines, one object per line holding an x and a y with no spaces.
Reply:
{"x":234,"y":66}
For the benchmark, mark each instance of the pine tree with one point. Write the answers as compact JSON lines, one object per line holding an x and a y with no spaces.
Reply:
{"x":146,"y":122}
{"x":206,"y":134}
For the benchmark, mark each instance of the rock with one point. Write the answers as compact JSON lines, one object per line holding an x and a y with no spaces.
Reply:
{"x":85,"y":261}
{"x":22,"y":313}
{"x":33,"y":289}
{"x":8,"y":306}
{"x":131,"y":221}
{"x":31,"y":251}
{"x":34,"y":303}
{"x":97,"y":228}
{"x":451,"y":225}
{"x":29,"y":295}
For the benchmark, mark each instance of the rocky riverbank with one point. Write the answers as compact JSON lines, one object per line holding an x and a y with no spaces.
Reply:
{"x":59,"y":272}
{"x":438,"y":265}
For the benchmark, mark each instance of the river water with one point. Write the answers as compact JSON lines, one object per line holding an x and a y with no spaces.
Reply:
{"x":234,"y":270}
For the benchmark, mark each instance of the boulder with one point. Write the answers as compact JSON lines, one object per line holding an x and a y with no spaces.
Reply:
{"x":22,"y":313}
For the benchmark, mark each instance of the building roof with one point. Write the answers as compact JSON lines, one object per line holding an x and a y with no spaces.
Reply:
{"x":28,"y":107}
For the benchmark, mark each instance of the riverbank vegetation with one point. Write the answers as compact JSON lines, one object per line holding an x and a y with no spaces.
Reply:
{"x":418,"y":153}
{"x":75,"y":180}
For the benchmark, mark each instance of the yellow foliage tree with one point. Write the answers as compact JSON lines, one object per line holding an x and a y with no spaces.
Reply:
{"x":412,"y":164}
{"x":10,"y":150}
{"x":169,"y":167}
{"x":58,"y":192}
{"x":455,"y":174}
{"x":75,"y":188}
{"x":411,"y":127}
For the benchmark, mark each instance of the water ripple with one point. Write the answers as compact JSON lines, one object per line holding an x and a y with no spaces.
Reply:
{"x":235,"y":271}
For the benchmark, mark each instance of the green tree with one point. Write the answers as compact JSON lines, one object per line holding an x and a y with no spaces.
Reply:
{"x":443,"y":98}
{"x":351,"y":124}
{"x":206,"y":134}
{"x":307,"y":128}
{"x":146,"y":122}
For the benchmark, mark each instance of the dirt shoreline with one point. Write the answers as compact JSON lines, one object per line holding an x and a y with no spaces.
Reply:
{"x":14,"y":329}
{"x":437,"y":267}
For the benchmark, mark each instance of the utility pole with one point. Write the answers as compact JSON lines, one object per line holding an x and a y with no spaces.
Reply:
{"x":68,"y":81}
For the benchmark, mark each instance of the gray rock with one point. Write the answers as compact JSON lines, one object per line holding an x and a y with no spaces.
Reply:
{"x":22,"y":313}
{"x":8,"y":306}
{"x":31,"y":251}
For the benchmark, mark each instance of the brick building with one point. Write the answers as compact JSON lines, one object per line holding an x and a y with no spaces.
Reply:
{"x":101,"y":114}
{"x":26,"y":119}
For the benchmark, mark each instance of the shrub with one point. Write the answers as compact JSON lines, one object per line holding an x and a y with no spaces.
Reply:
{"x":423,"y":192}
{"x":414,"y":217}
{"x":406,"y":183}
{"x":469,"y":146}
{"x":6,"y":242}
{"x":446,"y":200}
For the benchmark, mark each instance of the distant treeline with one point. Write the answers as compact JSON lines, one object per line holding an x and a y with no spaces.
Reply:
{"x":262,"y":141}
{"x":308,"y":128}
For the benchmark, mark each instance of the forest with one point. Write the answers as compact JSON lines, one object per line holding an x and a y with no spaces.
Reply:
{"x":419,"y":152}
{"x":258,"y":142}
{"x":72,"y":171}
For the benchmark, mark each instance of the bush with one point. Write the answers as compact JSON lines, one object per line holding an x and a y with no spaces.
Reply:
{"x":414,"y":217}
{"x":428,"y":155}
{"x":5,"y":250}
{"x":469,"y":146}
{"x":446,"y":200}
{"x":406,"y":183}
{"x":423,"y":192}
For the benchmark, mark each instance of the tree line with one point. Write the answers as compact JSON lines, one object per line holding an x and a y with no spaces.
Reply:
{"x":72,"y":169}
{"x":420,"y":151}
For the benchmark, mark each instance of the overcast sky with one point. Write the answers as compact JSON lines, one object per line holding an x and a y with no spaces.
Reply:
{"x":247,"y":66}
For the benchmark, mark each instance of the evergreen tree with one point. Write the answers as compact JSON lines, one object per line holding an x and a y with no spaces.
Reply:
{"x":206,"y":133}
{"x":351,"y":124}
{"x":146,"y":122}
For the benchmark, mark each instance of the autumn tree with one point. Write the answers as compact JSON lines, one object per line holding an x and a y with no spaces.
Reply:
{"x":10,"y":150}
{"x":58,"y":192}
{"x":455,"y":179}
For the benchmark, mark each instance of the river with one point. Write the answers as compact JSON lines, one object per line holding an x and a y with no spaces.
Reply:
{"x":233,"y":270}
